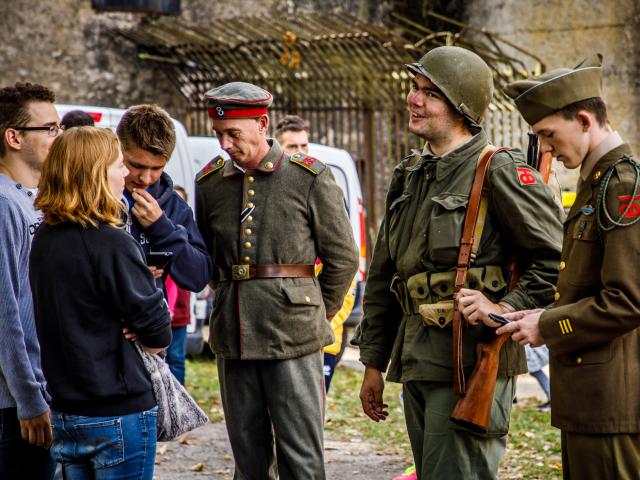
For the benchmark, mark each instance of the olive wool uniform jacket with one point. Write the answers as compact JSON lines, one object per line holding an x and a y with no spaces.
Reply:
{"x":418,"y":245}
{"x":289,"y":210}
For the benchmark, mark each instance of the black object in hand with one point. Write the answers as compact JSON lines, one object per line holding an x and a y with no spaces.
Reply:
{"x":158,"y":259}
{"x":499,"y":319}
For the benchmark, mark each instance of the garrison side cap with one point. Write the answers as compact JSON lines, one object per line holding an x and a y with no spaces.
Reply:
{"x":237,"y":100}
{"x":540,"y":96}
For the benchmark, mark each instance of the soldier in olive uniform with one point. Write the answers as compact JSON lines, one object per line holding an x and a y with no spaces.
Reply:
{"x":592,"y":330}
{"x":414,"y":260}
{"x":266,"y":217}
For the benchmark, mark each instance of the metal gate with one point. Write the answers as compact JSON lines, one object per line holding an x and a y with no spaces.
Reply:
{"x":344,"y":76}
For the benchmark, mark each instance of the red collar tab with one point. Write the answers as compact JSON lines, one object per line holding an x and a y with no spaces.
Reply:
{"x":222,"y":113}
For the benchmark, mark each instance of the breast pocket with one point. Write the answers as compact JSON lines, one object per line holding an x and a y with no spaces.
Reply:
{"x":584,"y":260}
{"x":395,"y":223}
{"x":445,"y":227}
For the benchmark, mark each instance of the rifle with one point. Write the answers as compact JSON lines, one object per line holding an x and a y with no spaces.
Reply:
{"x":473,"y":409}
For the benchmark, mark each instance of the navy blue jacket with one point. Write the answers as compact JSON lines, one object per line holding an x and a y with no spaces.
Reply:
{"x":175,"y":231}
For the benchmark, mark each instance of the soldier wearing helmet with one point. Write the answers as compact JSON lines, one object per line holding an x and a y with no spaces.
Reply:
{"x":407,"y":325}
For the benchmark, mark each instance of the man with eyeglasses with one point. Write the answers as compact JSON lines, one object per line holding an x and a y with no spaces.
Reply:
{"x":29,"y":124}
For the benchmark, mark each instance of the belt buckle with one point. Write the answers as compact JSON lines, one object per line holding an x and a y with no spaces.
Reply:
{"x":240,"y":272}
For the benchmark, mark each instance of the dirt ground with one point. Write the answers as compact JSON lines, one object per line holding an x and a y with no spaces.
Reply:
{"x":206,"y":453}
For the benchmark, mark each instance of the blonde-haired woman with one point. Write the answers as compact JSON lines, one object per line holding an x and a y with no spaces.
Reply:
{"x":90,"y":281}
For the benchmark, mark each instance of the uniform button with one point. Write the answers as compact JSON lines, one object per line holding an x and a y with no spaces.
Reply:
{"x":495,"y":284}
{"x":249,"y":205}
{"x":441,"y":320}
{"x":247,"y":259}
{"x":579,"y":360}
{"x":250,"y":179}
{"x":247,"y":244}
{"x":251,"y":193}
{"x":556,"y":296}
{"x":268,"y":165}
{"x":443,"y":288}
{"x":249,"y":218}
{"x":307,"y":299}
{"x":473,"y":284}
{"x":247,"y":231}
{"x":563,"y":265}
{"x":596,"y":176}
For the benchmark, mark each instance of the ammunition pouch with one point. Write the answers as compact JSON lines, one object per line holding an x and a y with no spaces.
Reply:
{"x":431,"y":294}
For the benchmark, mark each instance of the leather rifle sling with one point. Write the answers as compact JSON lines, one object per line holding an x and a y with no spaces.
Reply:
{"x":473,"y":223}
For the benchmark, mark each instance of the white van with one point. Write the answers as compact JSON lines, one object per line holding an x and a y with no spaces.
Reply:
{"x":344,"y":170}
{"x":182,"y":171}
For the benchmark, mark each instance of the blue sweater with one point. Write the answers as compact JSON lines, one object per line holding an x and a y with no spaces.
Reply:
{"x":175,"y":231}
{"x":22,"y":383}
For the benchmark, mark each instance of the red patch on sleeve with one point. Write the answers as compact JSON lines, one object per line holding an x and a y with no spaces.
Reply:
{"x":634,"y":209}
{"x":525,"y":177}
{"x":308,"y":161}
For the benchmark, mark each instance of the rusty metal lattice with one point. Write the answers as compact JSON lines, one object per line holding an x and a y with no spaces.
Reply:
{"x":343,"y":75}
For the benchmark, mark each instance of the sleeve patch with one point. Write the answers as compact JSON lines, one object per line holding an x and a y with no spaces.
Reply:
{"x":525,"y":177}
{"x":631,"y":207}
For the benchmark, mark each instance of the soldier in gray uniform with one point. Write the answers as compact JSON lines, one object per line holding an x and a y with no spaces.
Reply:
{"x":414,"y":261}
{"x":593,"y":331}
{"x":266,"y":217}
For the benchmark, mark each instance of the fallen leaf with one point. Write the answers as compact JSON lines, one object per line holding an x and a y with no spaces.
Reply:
{"x":227,"y":457}
{"x":162,"y":450}
{"x":198,"y":467}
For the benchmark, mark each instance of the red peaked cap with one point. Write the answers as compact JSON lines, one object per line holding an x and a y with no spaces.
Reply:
{"x":237,"y":100}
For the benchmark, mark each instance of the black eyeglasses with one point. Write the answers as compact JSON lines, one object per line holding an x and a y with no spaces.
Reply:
{"x":52,"y":130}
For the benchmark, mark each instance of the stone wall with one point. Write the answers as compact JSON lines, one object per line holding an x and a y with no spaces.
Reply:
{"x":563,"y":32}
{"x":67,"y":45}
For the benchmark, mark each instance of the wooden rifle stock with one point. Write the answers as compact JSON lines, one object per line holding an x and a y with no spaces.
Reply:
{"x":473,"y":409}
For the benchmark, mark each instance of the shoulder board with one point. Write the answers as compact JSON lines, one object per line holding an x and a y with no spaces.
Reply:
{"x":216,"y":164}
{"x":311,"y":164}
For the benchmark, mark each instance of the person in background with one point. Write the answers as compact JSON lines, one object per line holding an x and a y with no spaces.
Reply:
{"x":292,"y":133}
{"x":179,"y":301}
{"x":157,"y":217}
{"x":102,"y":402}
{"x":537,"y":358}
{"x":29,"y":123}
{"x":77,"y":118}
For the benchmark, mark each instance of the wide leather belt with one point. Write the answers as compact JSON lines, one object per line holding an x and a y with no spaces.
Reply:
{"x":282,"y":270}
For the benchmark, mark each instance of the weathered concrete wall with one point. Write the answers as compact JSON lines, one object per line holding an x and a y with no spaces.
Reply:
{"x":66,"y":45}
{"x":563,"y":32}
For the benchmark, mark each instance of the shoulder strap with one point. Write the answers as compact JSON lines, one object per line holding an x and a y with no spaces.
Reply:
{"x":475,"y":215}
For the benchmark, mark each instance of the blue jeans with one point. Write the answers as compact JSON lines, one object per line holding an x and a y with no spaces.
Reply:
{"x":105,"y":448}
{"x":176,"y":352}
{"x":18,"y":458}
{"x":330,"y":362}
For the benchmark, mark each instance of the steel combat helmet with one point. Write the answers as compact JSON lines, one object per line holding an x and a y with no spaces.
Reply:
{"x":462,"y":76}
